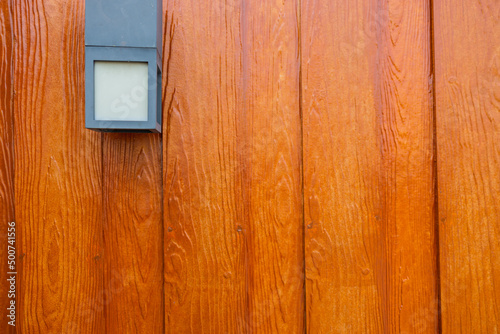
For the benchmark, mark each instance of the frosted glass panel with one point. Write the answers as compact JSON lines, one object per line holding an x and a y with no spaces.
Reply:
{"x":121,"y":91}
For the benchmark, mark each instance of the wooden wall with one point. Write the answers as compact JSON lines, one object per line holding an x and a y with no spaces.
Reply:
{"x":324,"y":167}
{"x":6,"y":156}
{"x":232,"y":168}
{"x":58,"y":174}
{"x":467,"y":51}
{"x":368,"y":167}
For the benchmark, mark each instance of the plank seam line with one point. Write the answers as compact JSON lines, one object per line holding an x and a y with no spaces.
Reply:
{"x":435,"y":161}
{"x":301,"y":117}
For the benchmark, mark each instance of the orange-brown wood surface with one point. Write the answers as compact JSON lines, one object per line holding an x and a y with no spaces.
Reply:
{"x":368,"y":171}
{"x":467,"y":61}
{"x":58,"y":193}
{"x":324,"y":167}
{"x":205,"y":277}
{"x":133,"y":233}
{"x":233,"y":203}
{"x":270,"y":148}
{"x":6,"y":158}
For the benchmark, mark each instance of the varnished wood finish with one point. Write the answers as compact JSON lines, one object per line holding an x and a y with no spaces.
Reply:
{"x":368,"y":171}
{"x":58,"y":175}
{"x":299,"y":182}
{"x":6,"y":156}
{"x":205,"y":219}
{"x":467,"y":53}
{"x":233,"y":216}
{"x":270,"y":148}
{"x":133,"y":233}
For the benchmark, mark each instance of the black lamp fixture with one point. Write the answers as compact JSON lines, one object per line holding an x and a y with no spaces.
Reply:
{"x":123,"y":65}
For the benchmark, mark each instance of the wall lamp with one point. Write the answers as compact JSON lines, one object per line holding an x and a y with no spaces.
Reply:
{"x":123,"y":65}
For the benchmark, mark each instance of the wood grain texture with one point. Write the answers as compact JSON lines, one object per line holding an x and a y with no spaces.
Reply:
{"x":368,"y":176}
{"x":205,"y":218}
{"x":58,"y":190}
{"x":270,"y":147}
{"x":467,"y":62}
{"x":7,"y":156}
{"x":233,"y":217}
{"x":133,"y":233}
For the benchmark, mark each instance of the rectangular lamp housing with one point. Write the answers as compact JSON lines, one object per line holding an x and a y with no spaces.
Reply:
{"x":123,"y":65}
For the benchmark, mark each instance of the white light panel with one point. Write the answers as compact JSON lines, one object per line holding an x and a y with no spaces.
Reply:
{"x":121,"y":91}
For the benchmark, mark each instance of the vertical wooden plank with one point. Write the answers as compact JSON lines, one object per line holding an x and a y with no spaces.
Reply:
{"x":233,"y":206}
{"x":205,"y":210}
{"x":270,"y":146}
{"x":467,"y":62}
{"x":133,"y":233}
{"x":58,"y":173}
{"x":7,"y":161}
{"x":368,"y":176}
